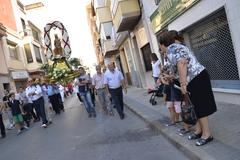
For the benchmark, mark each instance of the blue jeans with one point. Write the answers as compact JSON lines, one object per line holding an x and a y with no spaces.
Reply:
{"x":87,"y":101}
{"x":104,"y":100}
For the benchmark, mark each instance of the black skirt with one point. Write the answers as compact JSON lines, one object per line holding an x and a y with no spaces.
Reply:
{"x":201,"y":95}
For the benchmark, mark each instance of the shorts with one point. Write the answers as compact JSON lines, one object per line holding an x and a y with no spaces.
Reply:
{"x":177,"y":105}
{"x":18,"y":118}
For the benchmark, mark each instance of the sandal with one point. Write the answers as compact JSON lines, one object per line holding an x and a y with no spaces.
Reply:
{"x":202,"y":141}
{"x":194,"y":136}
{"x":170,"y":124}
{"x":183,"y":132}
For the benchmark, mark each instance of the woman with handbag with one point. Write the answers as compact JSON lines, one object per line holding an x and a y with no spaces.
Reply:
{"x":193,"y":77}
{"x":178,"y":37}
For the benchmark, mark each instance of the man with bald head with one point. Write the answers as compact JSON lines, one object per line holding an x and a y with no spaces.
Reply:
{"x":114,"y":84}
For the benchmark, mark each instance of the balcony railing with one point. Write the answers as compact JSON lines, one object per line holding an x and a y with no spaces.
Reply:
{"x":125,"y":14}
{"x":103,"y":15}
{"x":108,"y":47}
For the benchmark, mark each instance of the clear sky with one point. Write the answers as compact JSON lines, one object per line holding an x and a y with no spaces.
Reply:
{"x":72,"y":13}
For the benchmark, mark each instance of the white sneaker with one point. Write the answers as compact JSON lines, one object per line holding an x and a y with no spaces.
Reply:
{"x":44,"y":125}
{"x":25,"y":127}
{"x":11,"y":126}
{"x":19,"y":132}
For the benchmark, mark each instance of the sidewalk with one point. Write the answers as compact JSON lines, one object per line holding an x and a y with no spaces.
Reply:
{"x":225,"y":126}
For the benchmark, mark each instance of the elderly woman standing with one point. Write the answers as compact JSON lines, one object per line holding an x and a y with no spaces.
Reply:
{"x":193,"y":77}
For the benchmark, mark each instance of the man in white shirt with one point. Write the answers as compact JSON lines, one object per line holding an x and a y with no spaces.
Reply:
{"x":114,"y":83}
{"x":98,"y":83}
{"x":34,"y":92}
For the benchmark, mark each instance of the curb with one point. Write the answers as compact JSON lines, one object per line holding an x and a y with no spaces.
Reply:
{"x":158,"y":126}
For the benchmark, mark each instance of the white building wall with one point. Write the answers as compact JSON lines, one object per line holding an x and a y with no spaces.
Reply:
{"x":208,"y":6}
{"x":148,"y":8}
{"x":98,"y":3}
{"x":232,"y":10}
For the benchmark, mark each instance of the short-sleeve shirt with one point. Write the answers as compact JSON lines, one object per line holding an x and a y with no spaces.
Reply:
{"x":113,"y":79}
{"x":15,"y":106}
{"x":156,"y":68}
{"x":5,"y":100}
{"x":98,"y":81}
{"x":34,"y":89}
{"x":176,"y":52}
{"x":83,"y":88}
{"x":23,"y":97}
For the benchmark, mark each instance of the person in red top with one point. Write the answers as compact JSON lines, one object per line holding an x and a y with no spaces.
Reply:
{"x":70,"y":88}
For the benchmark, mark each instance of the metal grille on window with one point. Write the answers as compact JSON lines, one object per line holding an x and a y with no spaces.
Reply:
{"x":212,"y":44}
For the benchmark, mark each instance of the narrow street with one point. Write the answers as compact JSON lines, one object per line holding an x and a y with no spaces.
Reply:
{"x":74,"y":136}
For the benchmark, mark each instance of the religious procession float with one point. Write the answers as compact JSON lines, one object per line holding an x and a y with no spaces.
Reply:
{"x":58,"y":68}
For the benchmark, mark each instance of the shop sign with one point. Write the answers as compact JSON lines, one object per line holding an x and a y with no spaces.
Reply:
{"x":169,"y":10}
{"x":20,"y":75}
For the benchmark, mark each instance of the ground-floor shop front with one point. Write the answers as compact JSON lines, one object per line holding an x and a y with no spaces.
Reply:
{"x":211,"y":35}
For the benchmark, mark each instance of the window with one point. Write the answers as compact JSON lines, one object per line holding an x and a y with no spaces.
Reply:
{"x":37,"y":53}
{"x":146,"y":52}
{"x":20,"y":5}
{"x":28,"y":53}
{"x":24,"y":26}
{"x":35,"y":35}
{"x":6,"y":86}
{"x":12,"y":47}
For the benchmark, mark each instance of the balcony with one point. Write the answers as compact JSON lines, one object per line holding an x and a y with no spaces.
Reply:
{"x":2,"y":30}
{"x":126,"y":14}
{"x":108,"y":48}
{"x":107,"y":2}
{"x":103,"y":15}
{"x":119,"y":38}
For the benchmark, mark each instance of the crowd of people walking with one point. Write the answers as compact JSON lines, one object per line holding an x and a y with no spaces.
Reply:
{"x":107,"y":84}
{"x":178,"y":67}
{"x":36,"y":102}
{"x":40,"y":100}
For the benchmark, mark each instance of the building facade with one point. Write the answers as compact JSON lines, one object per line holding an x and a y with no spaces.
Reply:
{"x":212,"y":35}
{"x":91,"y":16}
{"x":114,"y":20}
{"x":21,"y":46}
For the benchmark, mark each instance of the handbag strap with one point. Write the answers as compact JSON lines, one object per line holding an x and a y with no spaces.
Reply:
{"x":185,"y":96}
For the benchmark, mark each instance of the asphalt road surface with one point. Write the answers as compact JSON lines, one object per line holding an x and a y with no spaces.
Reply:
{"x":74,"y":136}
